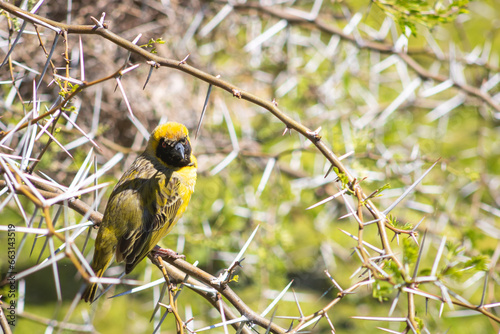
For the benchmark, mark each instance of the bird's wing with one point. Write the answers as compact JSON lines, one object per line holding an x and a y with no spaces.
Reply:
{"x":169,"y":202}
{"x":161,"y":202}
{"x":125,"y":214}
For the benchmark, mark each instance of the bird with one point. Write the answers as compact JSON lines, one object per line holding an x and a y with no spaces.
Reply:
{"x":146,"y":203}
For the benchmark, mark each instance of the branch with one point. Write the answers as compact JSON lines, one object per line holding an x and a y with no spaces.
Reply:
{"x":155,"y":60}
{"x":368,"y":44}
{"x":224,"y":290}
{"x":51,"y":192}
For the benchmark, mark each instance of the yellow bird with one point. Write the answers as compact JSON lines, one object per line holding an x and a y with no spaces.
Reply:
{"x":147,"y":202}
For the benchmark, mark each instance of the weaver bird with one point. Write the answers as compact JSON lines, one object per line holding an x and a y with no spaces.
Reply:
{"x":147,"y":202}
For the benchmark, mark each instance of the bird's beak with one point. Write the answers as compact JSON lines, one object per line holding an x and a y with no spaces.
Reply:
{"x":180,"y":148}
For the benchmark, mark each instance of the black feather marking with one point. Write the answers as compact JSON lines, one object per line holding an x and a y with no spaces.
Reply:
{"x":167,"y":153}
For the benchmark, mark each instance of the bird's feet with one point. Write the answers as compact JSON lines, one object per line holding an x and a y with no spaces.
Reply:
{"x":166,"y":252}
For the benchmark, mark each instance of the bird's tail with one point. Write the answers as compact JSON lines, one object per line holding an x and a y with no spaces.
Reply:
{"x":91,"y":290}
{"x":102,"y":260}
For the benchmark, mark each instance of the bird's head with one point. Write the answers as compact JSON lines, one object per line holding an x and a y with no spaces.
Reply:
{"x":170,"y":143}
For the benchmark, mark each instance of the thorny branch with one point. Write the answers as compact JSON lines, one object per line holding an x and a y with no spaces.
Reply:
{"x":323,"y":26}
{"x":51,"y":192}
{"x":214,"y":80}
{"x":289,"y":123}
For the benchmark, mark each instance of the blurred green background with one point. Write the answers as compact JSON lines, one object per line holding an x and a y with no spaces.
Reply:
{"x":366,"y":101}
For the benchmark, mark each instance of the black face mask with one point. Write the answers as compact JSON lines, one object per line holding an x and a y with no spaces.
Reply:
{"x":174,"y":153}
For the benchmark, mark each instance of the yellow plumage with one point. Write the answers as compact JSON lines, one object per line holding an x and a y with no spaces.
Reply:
{"x":147,"y":201}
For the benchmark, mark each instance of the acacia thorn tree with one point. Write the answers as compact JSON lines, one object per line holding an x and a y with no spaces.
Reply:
{"x":348,"y":176}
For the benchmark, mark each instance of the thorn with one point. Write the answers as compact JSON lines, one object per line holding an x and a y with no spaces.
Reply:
{"x":168,"y":307}
{"x":416,"y":226}
{"x":290,"y":328}
{"x":236,"y":93}
{"x":100,"y":23}
{"x":203,"y":111}
{"x":153,"y":63}
{"x":103,"y":15}
{"x":414,"y":238}
{"x":329,"y":171}
{"x":348,"y":154}
{"x":327,"y":199}
{"x":394,"y":237}
{"x":334,"y":281}
{"x":315,"y":134}
{"x":417,"y":264}
{"x":274,"y":102}
{"x":149,"y":76}
{"x":182,"y":62}
{"x":96,"y":22}
{"x":484,"y":288}
{"x":285,"y":131}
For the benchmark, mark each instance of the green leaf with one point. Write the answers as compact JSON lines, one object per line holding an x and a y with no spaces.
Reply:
{"x":477,"y":263}
{"x":382,"y":291}
{"x":410,"y":251}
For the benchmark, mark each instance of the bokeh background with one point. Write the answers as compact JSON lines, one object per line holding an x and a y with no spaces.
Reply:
{"x":397,"y":85}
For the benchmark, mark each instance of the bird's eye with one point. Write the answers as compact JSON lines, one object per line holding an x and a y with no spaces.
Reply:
{"x":164,"y":144}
